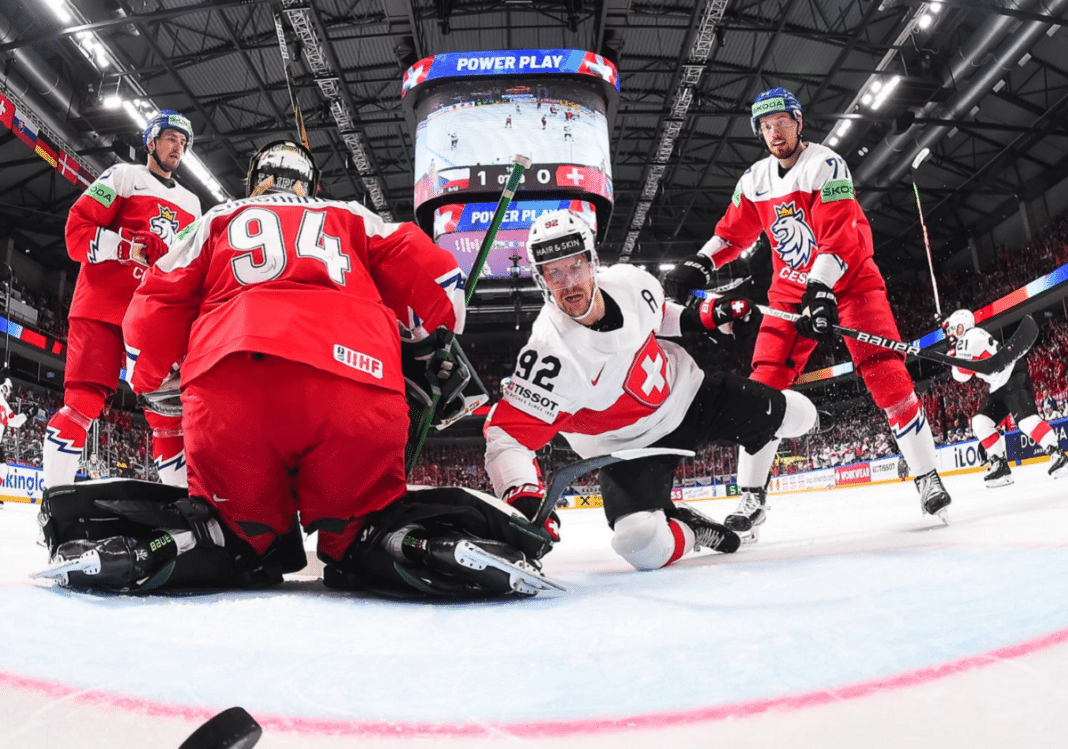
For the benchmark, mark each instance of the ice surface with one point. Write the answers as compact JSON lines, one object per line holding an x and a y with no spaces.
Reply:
{"x":854,"y":621}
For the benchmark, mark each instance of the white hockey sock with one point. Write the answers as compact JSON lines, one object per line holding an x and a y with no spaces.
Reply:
{"x":649,"y":540}
{"x":913,"y":434}
{"x":64,"y":442}
{"x":172,"y":470}
{"x":753,"y":468}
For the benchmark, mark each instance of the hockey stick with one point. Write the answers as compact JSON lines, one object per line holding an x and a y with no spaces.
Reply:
{"x":1016,"y":347}
{"x":566,"y":476}
{"x":520,"y":164}
{"x":287,"y":63}
{"x":923,"y":225}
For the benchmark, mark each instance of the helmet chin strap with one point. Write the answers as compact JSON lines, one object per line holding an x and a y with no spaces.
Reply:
{"x":159,"y":163}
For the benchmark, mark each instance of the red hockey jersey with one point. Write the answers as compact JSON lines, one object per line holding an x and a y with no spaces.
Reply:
{"x":314,"y":281}
{"x":129,"y":197}
{"x":809,"y":211}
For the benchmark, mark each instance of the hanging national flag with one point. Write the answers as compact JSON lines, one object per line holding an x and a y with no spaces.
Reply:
{"x":7,"y":110}
{"x":68,"y":167}
{"x":47,"y":150}
{"x":24,"y":129}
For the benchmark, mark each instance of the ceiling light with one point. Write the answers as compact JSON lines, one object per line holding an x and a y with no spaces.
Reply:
{"x":113,"y":101}
{"x":925,"y":21}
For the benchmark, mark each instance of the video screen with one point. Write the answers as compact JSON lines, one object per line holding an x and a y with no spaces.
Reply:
{"x":468,"y":131}
{"x":460,"y":229}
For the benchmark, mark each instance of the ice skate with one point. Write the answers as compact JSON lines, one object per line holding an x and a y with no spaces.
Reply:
{"x":751,"y":512}
{"x":112,"y":563}
{"x":1058,"y":462}
{"x":998,"y":473}
{"x":500,"y":567}
{"x":708,"y":534}
{"x":934,"y":499}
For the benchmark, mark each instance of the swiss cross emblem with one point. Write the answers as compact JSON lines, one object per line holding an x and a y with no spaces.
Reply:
{"x":647,"y":379}
{"x":738,"y":307}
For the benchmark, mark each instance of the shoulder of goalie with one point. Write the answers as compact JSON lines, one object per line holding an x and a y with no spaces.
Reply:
{"x":445,"y":542}
{"x":131,"y":536}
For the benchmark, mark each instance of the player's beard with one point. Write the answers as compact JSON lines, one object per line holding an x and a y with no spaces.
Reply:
{"x":790,"y":155}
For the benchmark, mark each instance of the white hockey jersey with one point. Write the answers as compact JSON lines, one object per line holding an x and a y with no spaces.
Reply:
{"x":603,"y":391}
{"x":976,"y":343}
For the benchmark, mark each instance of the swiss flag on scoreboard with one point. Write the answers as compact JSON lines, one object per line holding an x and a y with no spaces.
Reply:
{"x":586,"y":178}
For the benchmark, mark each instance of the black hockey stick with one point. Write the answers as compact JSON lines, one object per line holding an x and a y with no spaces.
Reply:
{"x":287,"y":64}
{"x":520,"y":164}
{"x":1016,"y":347}
{"x":566,"y":476}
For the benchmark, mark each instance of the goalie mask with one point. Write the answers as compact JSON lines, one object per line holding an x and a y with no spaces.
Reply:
{"x":557,"y":235}
{"x":957,"y":324}
{"x":282,"y":167}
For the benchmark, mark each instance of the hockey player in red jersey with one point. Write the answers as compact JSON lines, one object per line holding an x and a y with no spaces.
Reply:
{"x":120,"y":225}
{"x":283,"y":310}
{"x":801,"y":196}
{"x":1011,"y":393}
{"x":597,"y":371}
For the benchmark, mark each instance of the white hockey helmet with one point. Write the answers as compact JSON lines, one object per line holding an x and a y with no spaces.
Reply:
{"x":555,"y":235}
{"x":957,"y":324}
{"x":5,"y":382}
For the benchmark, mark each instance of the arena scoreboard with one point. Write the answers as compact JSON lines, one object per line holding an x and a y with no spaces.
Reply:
{"x":471,"y":112}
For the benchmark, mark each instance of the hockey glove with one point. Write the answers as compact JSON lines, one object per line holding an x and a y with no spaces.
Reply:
{"x":527,"y":498}
{"x":695,"y":272}
{"x":130,"y":249}
{"x":819,"y":312}
{"x":152,"y":246}
{"x":443,"y":371}
{"x":17,"y":420}
{"x":721,"y":314}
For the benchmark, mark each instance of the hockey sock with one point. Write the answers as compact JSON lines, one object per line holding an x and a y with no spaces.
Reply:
{"x":649,"y":541}
{"x":913,"y":434}
{"x":63,"y":445}
{"x":1039,"y":431}
{"x":168,"y":453}
{"x":753,"y":468}
{"x":990,"y":439}
{"x":799,"y":417}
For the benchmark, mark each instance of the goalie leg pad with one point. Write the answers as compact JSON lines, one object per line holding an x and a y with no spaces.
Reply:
{"x":447,"y":542}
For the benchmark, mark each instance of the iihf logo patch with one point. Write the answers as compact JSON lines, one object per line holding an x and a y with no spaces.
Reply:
{"x":165,"y":224}
{"x":794,"y":239}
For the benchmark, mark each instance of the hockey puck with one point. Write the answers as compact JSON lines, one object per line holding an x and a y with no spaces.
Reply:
{"x":231,"y":729}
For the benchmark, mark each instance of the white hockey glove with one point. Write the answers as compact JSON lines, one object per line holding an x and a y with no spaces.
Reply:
{"x":17,"y":420}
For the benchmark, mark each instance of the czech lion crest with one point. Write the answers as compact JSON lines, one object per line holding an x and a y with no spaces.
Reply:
{"x":794,"y":239}
{"x":165,"y":224}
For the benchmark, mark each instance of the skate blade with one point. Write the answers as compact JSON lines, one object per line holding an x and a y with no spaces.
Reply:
{"x":1000,"y":482}
{"x":943,"y":515}
{"x":88,"y":563}
{"x":523,"y":578}
{"x":751,"y":537}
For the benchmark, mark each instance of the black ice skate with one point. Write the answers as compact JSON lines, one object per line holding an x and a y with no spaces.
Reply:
{"x":113,"y":564}
{"x":1058,"y":467}
{"x":708,"y":534}
{"x":494,"y":566}
{"x":934,"y":499}
{"x":751,"y":512}
{"x":999,"y":473}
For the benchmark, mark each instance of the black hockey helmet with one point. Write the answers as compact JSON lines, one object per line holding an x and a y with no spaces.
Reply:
{"x":282,"y":166}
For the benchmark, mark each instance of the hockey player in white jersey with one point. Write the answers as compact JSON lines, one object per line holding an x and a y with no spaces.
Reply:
{"x":8,"y":418}
{"x":597,"y":371}
{"x":1011,"y":392}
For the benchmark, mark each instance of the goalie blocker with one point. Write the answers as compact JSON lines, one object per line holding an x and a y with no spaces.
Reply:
{"x":129,"y":536}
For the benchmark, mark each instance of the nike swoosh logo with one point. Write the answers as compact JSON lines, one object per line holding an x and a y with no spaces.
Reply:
{"x":598,"y":377}
{"x":769,"y":409}
{"x":758,"y":193}
{"x":137,"y":187}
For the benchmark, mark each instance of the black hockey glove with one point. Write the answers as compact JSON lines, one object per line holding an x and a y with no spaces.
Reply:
{"x":444,"y":372}
{"x":695,"y":272}
{"x":819,"y":312}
